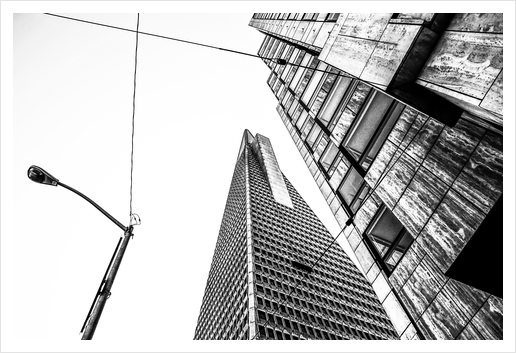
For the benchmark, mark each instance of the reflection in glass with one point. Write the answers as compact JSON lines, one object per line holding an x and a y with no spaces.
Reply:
{"x":341,"y":167}
{"x":368,"y":122}
{"x":302,"y":119}
{"x":398,"y":250}
{"x":389,"y":237}
{"x":329,"y":155}
{"x":300,"y":72}
{"x":360,"y":198}
{"x":350,"y":186}
{"x":307,"y":75}
{"x":334,"y":98}
{"x":313,"y":135}
{"x":384,"y":132}
{"x":321,"y":145}
{"x":306,"y":128}
{"x":314,"y":83}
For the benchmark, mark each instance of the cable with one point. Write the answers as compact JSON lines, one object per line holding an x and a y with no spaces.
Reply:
{"x":279,"y":61}
{"x":348,"y":222}
{"x":132,"y":134}
{"x":152,"y":35}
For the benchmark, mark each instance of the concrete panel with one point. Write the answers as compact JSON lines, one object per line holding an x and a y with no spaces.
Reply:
{"x":394,"y":183}
{"x":443,"y":319}
{"x":416,"y":16}
{"x":396,"y":313}
{"x":449,"y":229}
{"x":477,"y":22}
{"x":323,"y":34}
{"x":293,"y":29}
{"x":419,"y":200}
{"x":350,"y":54}
{"x":493,"y":101}
{"x":416,"y":57}
{"x":265,"y":154}
{"x":422,"y":287}
{"x":452,"y":150}
{"x":489,"y":320}
{"x":313,"y":32}
{"x":333,"y":36}
{"x":300,"y":30}
{"x":307,"y":32}
{"x":481,"y":179}
{"x":365,"y":25}
{"x":285,"y":27}
{"x":465,"y":62}
{"x":388,"y":55}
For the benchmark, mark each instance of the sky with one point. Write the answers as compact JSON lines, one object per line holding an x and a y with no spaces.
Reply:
{"x":72,"y":90}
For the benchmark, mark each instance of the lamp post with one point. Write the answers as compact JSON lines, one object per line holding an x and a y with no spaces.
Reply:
{"x":39,"y":175}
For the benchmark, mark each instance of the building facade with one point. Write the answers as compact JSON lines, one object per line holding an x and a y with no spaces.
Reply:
{"x":276,"y":271}
{"x":399,"y":119}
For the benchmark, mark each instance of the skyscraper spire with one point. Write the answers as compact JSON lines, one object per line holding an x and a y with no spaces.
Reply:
{"x":265,"y":281}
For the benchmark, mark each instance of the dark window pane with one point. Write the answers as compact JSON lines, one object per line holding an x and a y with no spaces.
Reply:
{"x":380,"y":139}
{"x":384,"y":231}
{"x":398,"y":251}
{"x":389,"y":237}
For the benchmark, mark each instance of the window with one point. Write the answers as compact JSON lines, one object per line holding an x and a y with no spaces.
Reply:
{"x":306,"y":127}
{"x":371,"y":127}
{"x":334,"y":99}
{"x":332,"y":17}
{"x":388,"y":236}
{"x":353,"y":189}
{"x":329,"y":155}
{"x":261,"y":315}
{"x":314,"y":83}
{"x":262,"y":330}
{"x":313,"y":135}
{"x":302,"y":119}
{"x":300,"y":71}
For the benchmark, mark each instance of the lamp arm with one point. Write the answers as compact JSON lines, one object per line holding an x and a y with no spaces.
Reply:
{"x":120,"y":225}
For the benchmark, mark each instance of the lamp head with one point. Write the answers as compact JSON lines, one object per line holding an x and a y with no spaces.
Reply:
{"x":39,"y":175}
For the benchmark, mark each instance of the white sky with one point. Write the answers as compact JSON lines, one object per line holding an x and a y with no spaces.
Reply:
{"x":72,"y":107}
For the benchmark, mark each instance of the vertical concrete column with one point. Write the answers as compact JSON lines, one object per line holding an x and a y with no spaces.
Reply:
{"x":250,"y":267}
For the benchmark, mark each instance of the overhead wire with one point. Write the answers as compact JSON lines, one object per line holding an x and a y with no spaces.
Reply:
{"x":151,"y":34}
{"x":276,"y":60}
{"x":134,"y":109}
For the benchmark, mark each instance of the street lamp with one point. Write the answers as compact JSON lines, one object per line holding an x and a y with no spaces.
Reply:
{"x":39,"y":175}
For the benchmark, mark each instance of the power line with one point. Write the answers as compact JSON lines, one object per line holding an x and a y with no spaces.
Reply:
{"x":279,"y":61}
{"x":276,"y":60}
{"x":132,"y":134}
{"x":152,"y":34}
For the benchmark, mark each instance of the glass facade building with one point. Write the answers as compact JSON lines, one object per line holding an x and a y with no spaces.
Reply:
{"x":399,"y":119}
{"x":276,"y":271}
